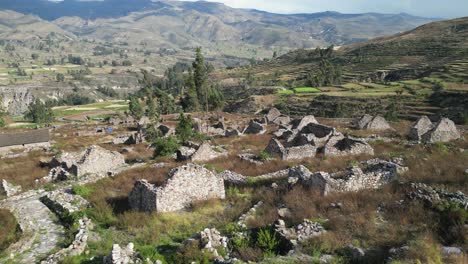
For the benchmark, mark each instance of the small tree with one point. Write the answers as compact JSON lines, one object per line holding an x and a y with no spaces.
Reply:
{"x":40,"y":113}
{"x":165,"y":146}
{"x":135,"y":108}
{"x":184,"y":129}
{"x":60,"y":77}
{"x":190,"y":101}
{"x":151,"y":110}
{"x":35,"y":56}
{"x":438,"y":87}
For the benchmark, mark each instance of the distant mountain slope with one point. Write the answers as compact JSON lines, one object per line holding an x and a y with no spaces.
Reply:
{"x":16,"y":26}
{"x":177,"y":24}
{"x":412,"y":54}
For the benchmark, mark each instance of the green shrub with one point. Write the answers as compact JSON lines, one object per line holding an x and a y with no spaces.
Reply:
{"x":149,"y":252}
{"x":264,"y":155}
{"x":165,"y":146}
{"x":81,"y":190}
{"x":267,"y":241}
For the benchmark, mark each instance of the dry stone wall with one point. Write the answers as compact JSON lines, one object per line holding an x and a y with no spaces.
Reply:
{"x":185,"y":185}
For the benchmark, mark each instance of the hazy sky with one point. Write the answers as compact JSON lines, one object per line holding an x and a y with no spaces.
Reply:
{"x":426,"y":8}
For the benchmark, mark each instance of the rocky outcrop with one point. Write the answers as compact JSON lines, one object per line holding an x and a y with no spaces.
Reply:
{"x":377,"y":123}
{"x":7,"y":189}
{"x":211,"y":239}
{"x":94,"y":160}
{"x":185,"y":185}
{"x":342,"y":146}
{"x":444,"y":131}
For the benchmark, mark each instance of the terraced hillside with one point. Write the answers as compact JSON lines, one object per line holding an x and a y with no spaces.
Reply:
{"x":401,"y":72}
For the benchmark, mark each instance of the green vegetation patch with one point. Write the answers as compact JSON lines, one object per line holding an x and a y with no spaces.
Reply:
{"x":306,"y":90}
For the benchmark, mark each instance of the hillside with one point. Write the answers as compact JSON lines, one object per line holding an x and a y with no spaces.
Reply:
{"x":178,"y":24}
{"x":402,"y":68}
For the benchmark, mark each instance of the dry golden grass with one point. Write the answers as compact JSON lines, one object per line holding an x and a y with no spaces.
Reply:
{"x":24,"y":170}
{"x":9,"y":229}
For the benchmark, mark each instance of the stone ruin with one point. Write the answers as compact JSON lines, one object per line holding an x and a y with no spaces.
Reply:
{"x":94,"y":160}
{"x":120,"y":255}
{"x":276,"y":149}
{"x":375,"y":174}
{"x":421,"y":127}
{"x":425,"y":131}
{"x":300,"y":233}
{"x":204,"y":152}
{"x":432,"y":196}
{"x":340,"y":145}
{"x":210,"y":239}
{"x":254,"y":127}
{"x":185,"y":185}
{"x":377,"y":123}
{"x":7,"y":189}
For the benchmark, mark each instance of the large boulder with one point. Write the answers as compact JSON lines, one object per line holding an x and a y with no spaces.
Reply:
{"x":93,"y":160}
{"x":421,"y":127}
{"x":342,"y":146}
{"x":444,"y":131}
{"x":185,"y":185}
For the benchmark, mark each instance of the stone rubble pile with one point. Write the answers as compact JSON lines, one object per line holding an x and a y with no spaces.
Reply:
{"x":244,"y":218}
{"x":427,"y":132}
{"x":375,"y":173}
{"x":120,"y":255}
{"x":300,"y":233}
{"x":252,"y":158}
{"x":211,"y":239}
{"x":7,"y":189}
{"x":432,"y":196}
{"x":77,"y":247}
{"x":93,"y":160}
{"x":368,"y":122}
{"x":185,"y":185}
{"x":232,"y":177}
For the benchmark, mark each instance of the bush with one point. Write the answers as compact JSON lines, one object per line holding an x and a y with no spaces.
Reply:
{"x":184,"y":129}
{"x":267,"y":241}
{"x":165,"y":146}
{"x":83,"y":191}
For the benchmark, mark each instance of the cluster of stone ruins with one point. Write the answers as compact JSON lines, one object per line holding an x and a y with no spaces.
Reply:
{"x":292,"y":139}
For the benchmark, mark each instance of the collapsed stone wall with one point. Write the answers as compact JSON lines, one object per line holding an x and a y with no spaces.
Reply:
{"x":93,"y":160}
{"x":375,"y":173}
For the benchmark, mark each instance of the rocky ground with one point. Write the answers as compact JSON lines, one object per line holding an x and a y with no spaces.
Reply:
{"x":266,"y":189}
